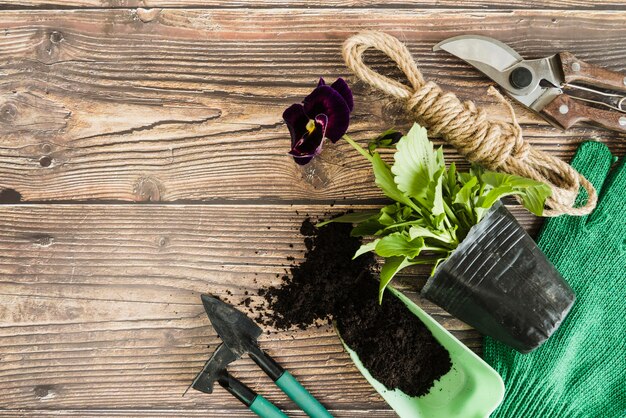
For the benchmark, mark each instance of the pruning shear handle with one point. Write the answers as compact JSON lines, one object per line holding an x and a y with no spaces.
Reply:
{"x":581,"y":71}
{"x":566,"y":111}
{"x":549,"y":86}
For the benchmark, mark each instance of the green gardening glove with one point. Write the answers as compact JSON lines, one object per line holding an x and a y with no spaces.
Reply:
{"x":581,"y":370}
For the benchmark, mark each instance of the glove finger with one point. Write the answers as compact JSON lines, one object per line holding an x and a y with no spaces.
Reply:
{"x":593,"y":160}
{"x":612,"y":200}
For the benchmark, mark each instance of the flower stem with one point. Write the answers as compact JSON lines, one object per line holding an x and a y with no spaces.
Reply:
{"x":358,"y":148}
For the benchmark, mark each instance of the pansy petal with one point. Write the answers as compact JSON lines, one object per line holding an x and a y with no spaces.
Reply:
{"x":310,"y":144}
{"x":342,"y":88}
{"x":302,"y":160}
{"x":327,"y":101}
{"x":296,"y":121}
{"x":321,"y":120}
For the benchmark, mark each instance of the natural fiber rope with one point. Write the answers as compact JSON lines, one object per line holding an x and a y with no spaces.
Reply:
{"x":496,"y":145}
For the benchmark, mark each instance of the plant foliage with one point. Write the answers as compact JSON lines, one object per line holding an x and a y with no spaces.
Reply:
{"x":434,"y":207}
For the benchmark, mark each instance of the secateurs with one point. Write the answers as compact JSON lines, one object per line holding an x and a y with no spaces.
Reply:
{"x":540,"y":84}
{"x":239,"y":335}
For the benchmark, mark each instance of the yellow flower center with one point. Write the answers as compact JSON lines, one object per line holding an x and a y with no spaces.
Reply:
{"x":310,"y":126}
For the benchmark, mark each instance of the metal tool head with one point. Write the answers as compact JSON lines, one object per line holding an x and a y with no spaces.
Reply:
{"x":236,"y":330}
{"x":534,"y":83}
{"x":214,"y":369}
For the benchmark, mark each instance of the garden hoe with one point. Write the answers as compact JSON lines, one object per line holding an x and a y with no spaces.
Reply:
{"x":215,"y":370}
{"x":239,"y":335}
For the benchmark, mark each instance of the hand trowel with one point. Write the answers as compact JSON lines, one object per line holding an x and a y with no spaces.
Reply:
{"x":239,"y":333}
{"x":471,"y":389}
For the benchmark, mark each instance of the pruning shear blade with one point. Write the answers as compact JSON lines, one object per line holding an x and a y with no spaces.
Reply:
{"x":538,"y":84}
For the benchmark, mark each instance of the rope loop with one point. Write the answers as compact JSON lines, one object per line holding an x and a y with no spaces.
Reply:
{"x":496,"y":145}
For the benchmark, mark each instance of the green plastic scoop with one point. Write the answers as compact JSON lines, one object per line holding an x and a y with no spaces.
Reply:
{"x":471,"y":389}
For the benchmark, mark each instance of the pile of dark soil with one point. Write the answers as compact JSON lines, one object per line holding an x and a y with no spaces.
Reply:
{"x":392,"y":343}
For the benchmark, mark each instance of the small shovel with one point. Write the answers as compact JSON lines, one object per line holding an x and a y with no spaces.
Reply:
{"x":215,"y":370}
{"x":239,"y":333}
{"x":471,"y":389}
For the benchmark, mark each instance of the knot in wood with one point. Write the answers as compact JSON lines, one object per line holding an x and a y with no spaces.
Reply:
{"x":8,"y":112}
{"x":147,"y":189}
{"x":147,"y":15}
{"x":56,"y":37}
{"x":43,"y":240}
{"x":45,"y":392}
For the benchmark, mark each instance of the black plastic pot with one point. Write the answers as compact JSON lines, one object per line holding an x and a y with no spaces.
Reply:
{"x":499,"y":282}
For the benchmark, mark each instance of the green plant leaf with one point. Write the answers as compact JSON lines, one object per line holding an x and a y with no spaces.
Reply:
{"x":534,"y":198}
{"x":397,"y":243}
{"x":450,"y":181}
{"x":365,"y":248}
{"x":417,"y":222}
{"x":389,"y":214}
{"x":368,"y":227}
{"x":465,"y":177}
{"x":435,"y":194}
{"x":387,"y":139}
{"x":497,"y":185}
{"x":416,"y":162}
{"x":350,"y":218}
{"x":392,"y":266}
{"x":419,"y":231}
{"x":496,"y":179}
{"x":413,"y":159}
{"x":480,"y":212}
{"x":384,"y":180}
{"x":419,"y":172}
{"x":495,"y":194}
{"x":464,"y":195}
{"x":434,"y":207}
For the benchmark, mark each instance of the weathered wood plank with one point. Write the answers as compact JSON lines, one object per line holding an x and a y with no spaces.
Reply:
{"x":136,"y":105}
{"x":478,"y":4}
{"x":99,"y":306}
{"x":118,"y":323}
{"x":197,"y":412}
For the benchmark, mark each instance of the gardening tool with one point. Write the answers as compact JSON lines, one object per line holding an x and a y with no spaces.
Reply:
{"x":215,"y":370}
{"x":538,"y":84}
{"x":239,"y":333}
{"x":471,"y":389}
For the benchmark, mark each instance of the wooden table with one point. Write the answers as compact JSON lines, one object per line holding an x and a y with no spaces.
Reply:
{"x":143,"y":162}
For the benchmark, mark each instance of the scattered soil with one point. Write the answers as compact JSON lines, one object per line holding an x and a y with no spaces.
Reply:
{"x":393,"y":344}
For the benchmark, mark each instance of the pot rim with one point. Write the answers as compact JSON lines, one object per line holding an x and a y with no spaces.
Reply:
{"x":489,"y":215}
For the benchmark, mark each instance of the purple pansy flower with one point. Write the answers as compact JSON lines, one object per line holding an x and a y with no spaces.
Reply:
{"x":325,"y":113}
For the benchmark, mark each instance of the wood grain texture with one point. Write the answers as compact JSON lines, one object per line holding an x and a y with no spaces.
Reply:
{"x":156,"y":106}
{"x":342,"y":4}
{"x":117,"y":102}
{"x":100,"y":306}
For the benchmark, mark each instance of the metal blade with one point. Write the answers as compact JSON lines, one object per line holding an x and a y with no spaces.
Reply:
{"x":213,"y":369}
{"x":235,"y":329}
{"x":482,"y":52}
{"x":497,"y":61}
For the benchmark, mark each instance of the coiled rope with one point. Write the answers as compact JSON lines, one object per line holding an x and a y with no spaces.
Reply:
{"x":496,"y":145}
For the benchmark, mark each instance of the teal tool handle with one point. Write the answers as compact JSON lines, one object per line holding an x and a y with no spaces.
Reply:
{"x":311,"y":406}
{"x":265,"y":409}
